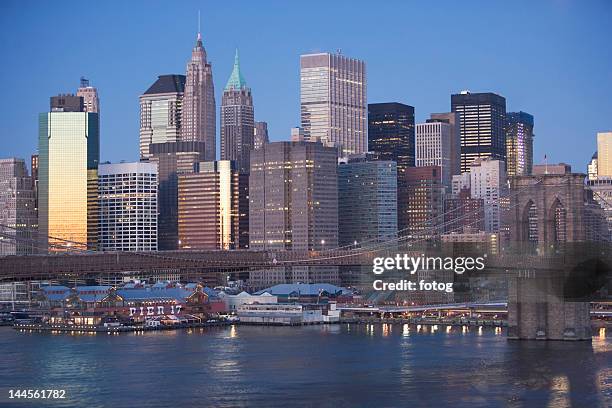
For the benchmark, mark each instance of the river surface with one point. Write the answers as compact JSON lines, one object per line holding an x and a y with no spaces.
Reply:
{"x":319,"y":366}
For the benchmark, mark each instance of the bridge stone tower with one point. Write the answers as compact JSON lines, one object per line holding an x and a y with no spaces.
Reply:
{"x":547,"y":213}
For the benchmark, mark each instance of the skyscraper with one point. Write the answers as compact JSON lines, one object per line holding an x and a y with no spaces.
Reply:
{"x":237,"y":119}
{"x":488,"y":182}
{"x":604,"y":154}
{"x":68,"y":147}
{"x":127,"y":194}
{"x":519,"y":143}
{"x":91,"y":102}
{"x":391,"y":133}
{"x":334,"y":102}
{"x":462,"y":212}
{"x":213,"y":207}
{"x":261,"y":135}
{"x":18,"y":221}
{"x":433,"y":142}
{"x":421,"y":201}
{"x":172,"y":159}
{"x":293,"y":192}
{"x":452,"y":118}
{"x":199,"y":109}
{"x":482,"y":121}
{"x":367,"y":201}
{"x":161,"y":109}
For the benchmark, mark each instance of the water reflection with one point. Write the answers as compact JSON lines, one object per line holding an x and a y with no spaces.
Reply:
{"x":339,"y":365}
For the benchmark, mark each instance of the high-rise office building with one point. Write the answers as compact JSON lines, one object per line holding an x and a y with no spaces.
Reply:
{"x":421,"y":201}
{"x":67,"y":103}
{"x":213,"y":207}
{"x":199,"y":109}
{"x":237,"y":119}
{"x":602,"y":194}
{"x":334,"y":102}
{"x":69,"y":153}
{"x":463,"y":212}
{"x":519,"y":143}
{"x":488,"y":182}
{"x":592,"y":167}
{"x":293,"y":193}
{"x":460,"y":182}
{"x":604,"y":154}
{"x":452,"y":118}
{"x":297,"y":134}
{"x":261,"y":135}
{"x":433,"y":142}
{"x":482,"y":126}
{"x":161,"y":112}
{"x":18,"y":220}
{"x":34,"y":167}
{"x":367,"y":201}
{"x":91,"y":102}
{"x":172,"y":159}
{"x":127,"y":199}
{"x":391,"y":133}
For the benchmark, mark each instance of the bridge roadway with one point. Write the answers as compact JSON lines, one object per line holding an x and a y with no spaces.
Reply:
{"x":212,"y":263}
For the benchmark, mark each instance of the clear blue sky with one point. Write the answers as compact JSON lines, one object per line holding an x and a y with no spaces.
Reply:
{"x":552,"y":59}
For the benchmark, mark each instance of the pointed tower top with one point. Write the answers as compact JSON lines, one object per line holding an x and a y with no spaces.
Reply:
{"x":236,"y":80}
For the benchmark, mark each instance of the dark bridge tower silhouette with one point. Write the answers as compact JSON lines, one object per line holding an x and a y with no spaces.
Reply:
{"x":549,"y":218}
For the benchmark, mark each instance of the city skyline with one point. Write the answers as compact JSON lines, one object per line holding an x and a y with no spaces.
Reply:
{"x":426,"y":85}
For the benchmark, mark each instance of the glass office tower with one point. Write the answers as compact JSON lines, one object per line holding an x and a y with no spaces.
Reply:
{"x":367,"y":202}
{"x":68,"y":147}
{"x":519,"y":143}
{"x":391,"y":133}
{"x":482,"y":126}
{"x":333,"y":102}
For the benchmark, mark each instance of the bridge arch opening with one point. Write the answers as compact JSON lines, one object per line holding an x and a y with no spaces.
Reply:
{"x":557,"y":222}
{"x":529,"y":223}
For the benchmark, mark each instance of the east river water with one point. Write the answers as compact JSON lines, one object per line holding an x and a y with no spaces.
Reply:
{"x":319,"y":366}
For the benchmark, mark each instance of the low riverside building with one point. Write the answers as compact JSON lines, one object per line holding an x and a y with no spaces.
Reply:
{"x":134,"y":303}
{"x":305,"y":293}
{"x":233,"y":302}
{"x":287,"y":314}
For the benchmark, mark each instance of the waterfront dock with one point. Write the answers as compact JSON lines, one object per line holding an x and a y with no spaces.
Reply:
{"x":113,"y":329}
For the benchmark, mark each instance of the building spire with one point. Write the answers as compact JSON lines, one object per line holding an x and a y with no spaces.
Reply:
{"x":236,"y":80}
{"x":199,"y":31}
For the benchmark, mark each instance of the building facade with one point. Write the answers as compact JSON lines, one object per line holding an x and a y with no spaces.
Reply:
{"x":213,"y":207}
{"x":519,"y":143}
{"x":433,"y":148}
{"x":68,"y":147}
{"x":488,"y":182}
{"x":199,"y":108}
{"x":237,"y":120}
{"x":604,"y":154}
{"x":602,"y":194}
{"x":127,"y":199}
{"x":421,"y":201}
{"x":161,"y":112}
{"x":91,"y":102}
{"x":172,"y":159}
{"x":333,"y":102}
{"x":391,"y":133}
{"x":293,"y":197}
{"x":367,"y":202}
{"x":452,"y":118}
{"x":462,"y":212}
{"x":260,"y":135}
{"x":482,"y":119}
{"x":18,"y":218}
